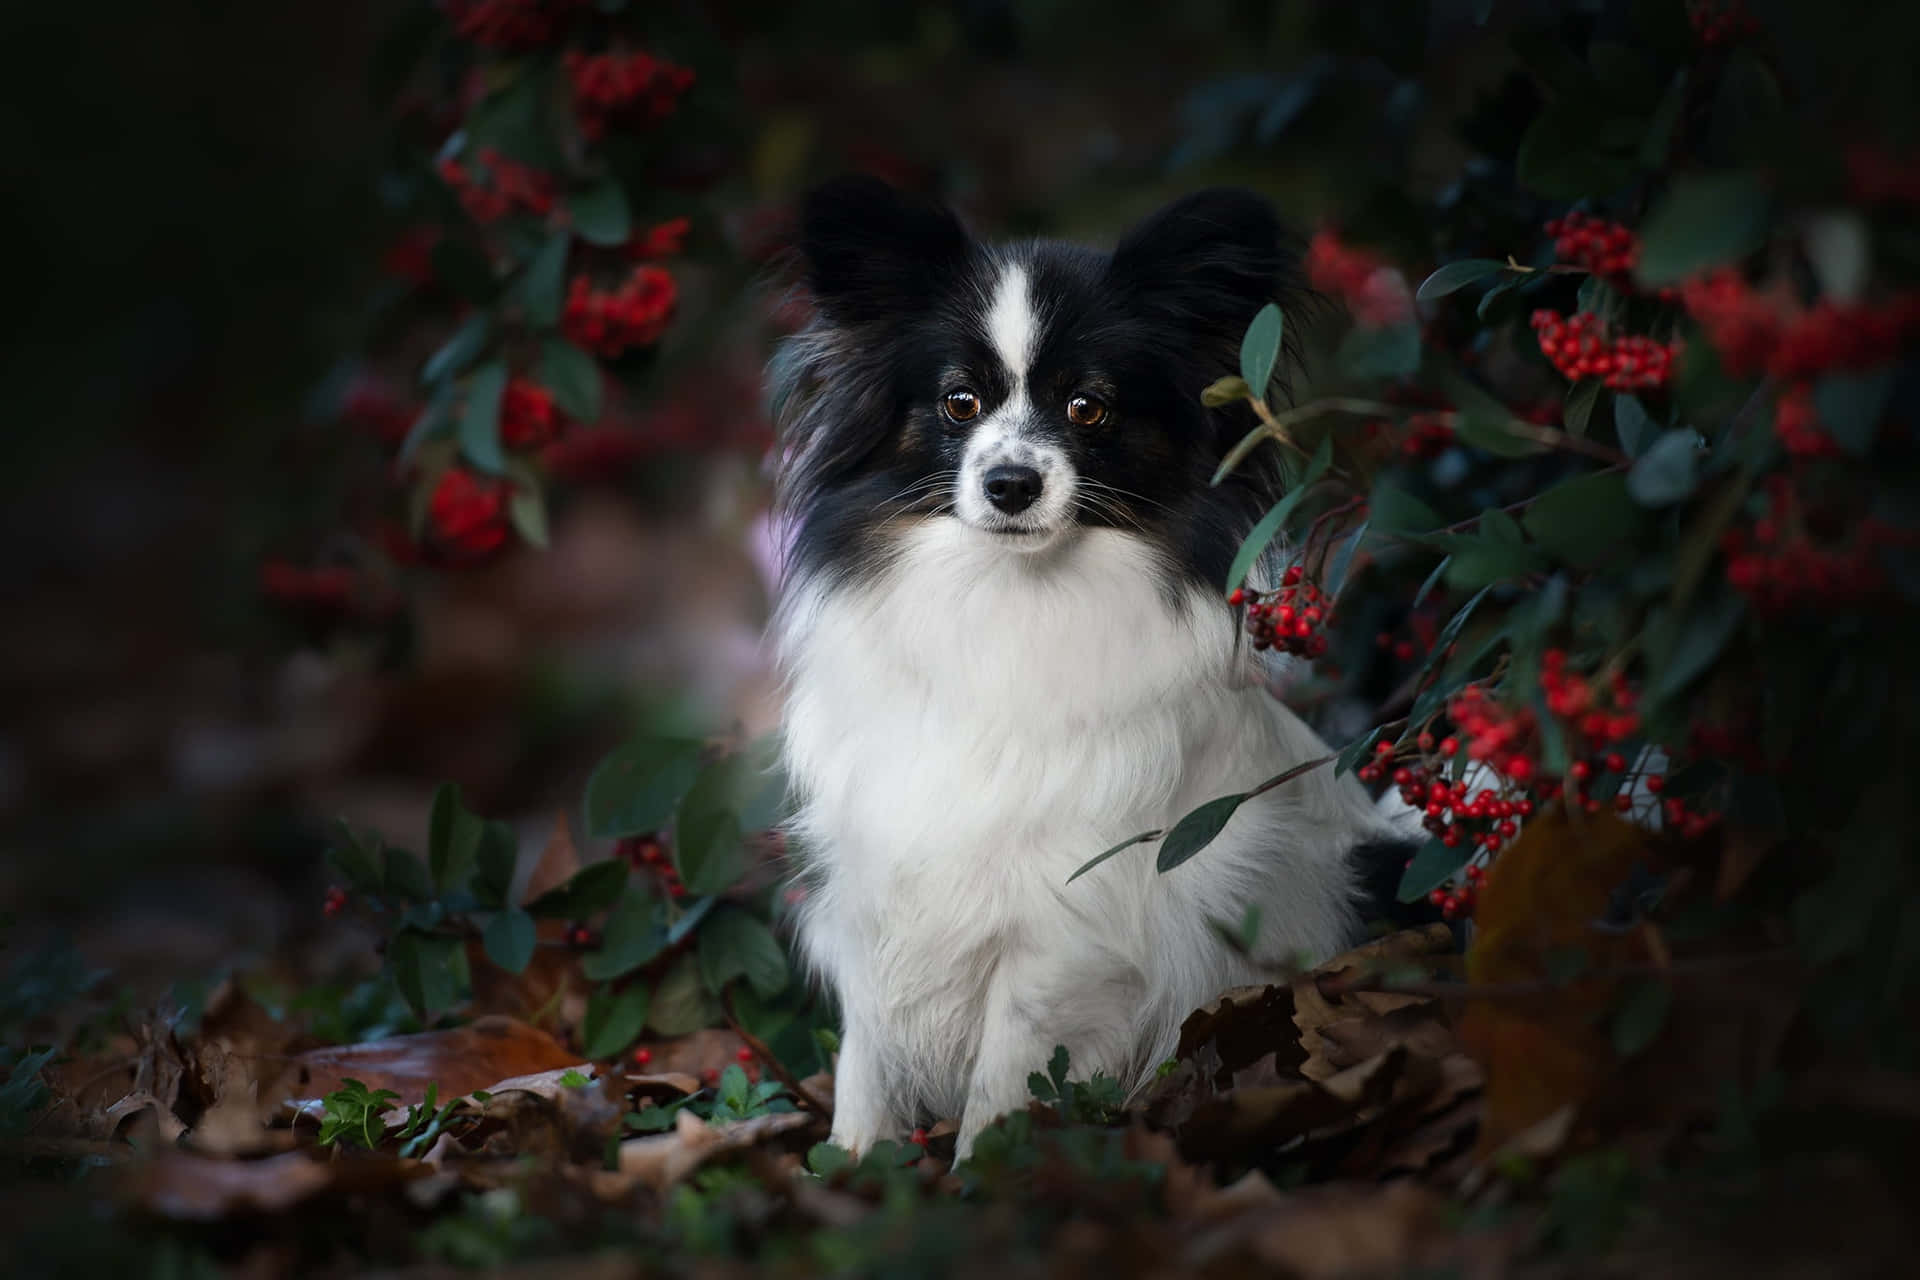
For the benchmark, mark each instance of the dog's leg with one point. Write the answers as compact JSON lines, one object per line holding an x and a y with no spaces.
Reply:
{"x":1081,"y":1001}
{"x":864,"y":1111}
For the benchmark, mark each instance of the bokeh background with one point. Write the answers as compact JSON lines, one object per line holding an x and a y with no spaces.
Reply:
{"x":209,"y":214}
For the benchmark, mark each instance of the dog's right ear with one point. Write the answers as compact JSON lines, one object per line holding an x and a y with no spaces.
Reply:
{"x":872,"y":252}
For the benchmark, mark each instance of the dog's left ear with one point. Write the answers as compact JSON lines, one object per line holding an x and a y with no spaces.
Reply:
{"x":1207,"y":262}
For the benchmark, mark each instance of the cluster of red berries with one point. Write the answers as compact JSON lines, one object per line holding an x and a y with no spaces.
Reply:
{"x":612,"y":321}
{"x":1796,"y":421}
{"x":1780,"y":569}
{"x":335,"y":902}
{"x":497,"y":187}
{"x":1602,"y":247}
{"x":1374,"y":292}
{"x":1599,"y":715}
{"x":1579,"y":348}
{"x":648,"y":853}
{"x":1719,"y":22}
{"x":1607,"y":249}
{"x":509,"y":24}
{"x":528,"y":418}
{"x":467,"y":514}
{"x":1292,"y":619}
{"x":1428,"y":435}
{"x":636,"y":88}
{"x":1756,"y":332}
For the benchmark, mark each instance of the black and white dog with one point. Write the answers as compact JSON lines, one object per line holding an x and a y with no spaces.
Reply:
{"x":1006,"y":649}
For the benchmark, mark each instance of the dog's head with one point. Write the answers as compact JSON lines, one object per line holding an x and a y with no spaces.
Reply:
{"x":1027,"y":391}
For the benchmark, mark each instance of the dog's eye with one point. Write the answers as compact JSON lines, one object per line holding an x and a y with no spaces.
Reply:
{"x":961,"y":405}
{"x":1085,"y":411}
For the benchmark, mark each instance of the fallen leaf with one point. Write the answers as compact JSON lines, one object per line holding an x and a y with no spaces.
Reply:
{"x":176,"y":1184}
{"x":460,"y":1060}
{"x":557,"y":863}
{"x":660,"y":1160}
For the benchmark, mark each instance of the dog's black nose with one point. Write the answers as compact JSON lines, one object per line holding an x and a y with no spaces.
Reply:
{"x":1013,"y":489}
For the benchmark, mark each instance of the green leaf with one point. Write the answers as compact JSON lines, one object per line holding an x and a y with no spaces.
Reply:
{"x":527,"y":509}
{"x":480,"y":419}
{"x":1668,"y":471}
{"x":592,"y":888}
{"x":708,"y":849}
{"x":423,"y":969}
{"x":1457,"y":275}
{"x":574,"y":378}
{"x":545,"y":284}
{"x":1704,"y":634}
{"x":1491,"y":297}
{"x":1495,"y":435}
{"x":1196,"y":831}
{"x":1394,"y":510}
{"x":357,"y":860}
{"x":681,"y":1001}
{"x":1368,"y":354}
{"x":733,"y":944}
{"x":1224,"y":391}
{"x":1271,"y":524}
{"x":636,"y":932}
{"x":1431,"y":867}
{"x":824,"y":1159}
{"x":690,"y":918}
{"x":1099,"y":858}
{"x":459,"y":351}
{"x":1489,"y":560}
{"x":1581,"y":399}
{"x":1704,"y":221}
{"x":1586,"y":520}
{"x":1851,"y":406}
{"x":1564,"y":153}
{"x":635,"y":788}
{"x":509,"y":939}
{"x":1260,"y":349}
{"x":1634,"y":425}
{"x":613,"y":1021}
{"x":407,"y":876}
{"x":600,"y":214}
{"x":453,"y":841}
{"x":1641,"y":1015}
{"x":494,"y":862}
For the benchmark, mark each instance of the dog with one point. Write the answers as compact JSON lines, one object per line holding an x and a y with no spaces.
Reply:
{"x":1006,"y":647}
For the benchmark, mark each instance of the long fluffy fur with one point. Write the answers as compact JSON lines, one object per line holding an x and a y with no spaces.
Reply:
{"x":968,"y":723}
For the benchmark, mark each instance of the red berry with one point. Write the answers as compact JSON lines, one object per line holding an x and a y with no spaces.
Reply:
{"x":1238,"y":597}
{"x":1623,"y":801}
{"x":744,"y":1054}
{"x":918,"y":1138}
{"x":1615,"y":762}
{"x":1449,"y":746}
{"x":642,"y":1056}
{"x":1656,"y":783}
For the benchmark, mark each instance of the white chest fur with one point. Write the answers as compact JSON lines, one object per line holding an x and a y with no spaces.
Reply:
{"x":966,"y":731}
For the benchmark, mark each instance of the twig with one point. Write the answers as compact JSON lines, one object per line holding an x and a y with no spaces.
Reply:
{"x":773,"y":1064}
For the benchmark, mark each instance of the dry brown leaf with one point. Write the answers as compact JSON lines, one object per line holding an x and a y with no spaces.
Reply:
{"x":558,"y":861}
{"x":476,"y":1056}
{"x":660,"y":1160}
{"x":1336,"y":1230}
{"x":1540,"y":1046}
{"x":175,"y":1184}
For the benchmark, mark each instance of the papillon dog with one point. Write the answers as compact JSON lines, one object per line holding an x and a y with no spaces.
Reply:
{"x":1006,"y":648}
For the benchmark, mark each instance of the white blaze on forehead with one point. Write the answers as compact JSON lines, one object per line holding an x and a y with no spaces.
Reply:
{"x":1011,"y":323}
